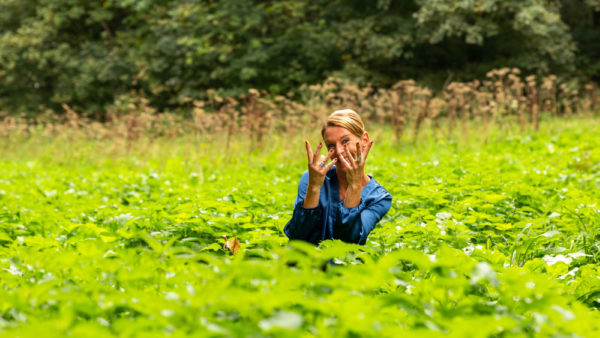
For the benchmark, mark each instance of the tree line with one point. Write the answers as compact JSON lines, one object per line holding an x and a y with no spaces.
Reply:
{"x":92,"y":54}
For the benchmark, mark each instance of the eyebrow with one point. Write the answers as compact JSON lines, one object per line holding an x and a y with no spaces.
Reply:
{"x":328,"y":143}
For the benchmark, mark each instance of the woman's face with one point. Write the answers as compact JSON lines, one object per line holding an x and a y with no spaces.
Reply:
{"x":337,"y":137}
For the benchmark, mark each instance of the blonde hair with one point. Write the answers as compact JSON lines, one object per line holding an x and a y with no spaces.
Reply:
{"x":347,"y":119}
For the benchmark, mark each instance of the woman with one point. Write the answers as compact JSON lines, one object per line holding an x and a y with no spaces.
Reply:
{"x":338,"y":200}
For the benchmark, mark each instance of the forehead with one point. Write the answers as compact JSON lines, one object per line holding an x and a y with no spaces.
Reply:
{"x":335,"y":133}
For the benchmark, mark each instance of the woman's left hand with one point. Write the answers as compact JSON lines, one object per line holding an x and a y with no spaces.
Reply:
{"x":355,"y":167}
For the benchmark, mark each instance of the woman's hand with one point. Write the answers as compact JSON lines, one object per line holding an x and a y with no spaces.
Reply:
{"x":317,"y":165}
{"x":355,"y":167}
{"x":317,"y":168}
{"x":355,"y":172}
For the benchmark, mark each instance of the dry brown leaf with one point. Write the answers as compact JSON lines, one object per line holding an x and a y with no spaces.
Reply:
{"x":233,"y":245}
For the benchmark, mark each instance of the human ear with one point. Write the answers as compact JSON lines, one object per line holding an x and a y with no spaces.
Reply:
{"x":365,"y":139}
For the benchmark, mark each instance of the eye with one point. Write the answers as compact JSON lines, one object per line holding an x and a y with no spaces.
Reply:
{"x":330,"y":146}
{"x":346,"y":140}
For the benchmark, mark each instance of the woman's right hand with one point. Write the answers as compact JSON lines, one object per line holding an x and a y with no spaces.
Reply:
{"x":317,"y":165}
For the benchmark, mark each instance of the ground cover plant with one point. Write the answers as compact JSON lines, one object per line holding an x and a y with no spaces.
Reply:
{"x":484,"y":238}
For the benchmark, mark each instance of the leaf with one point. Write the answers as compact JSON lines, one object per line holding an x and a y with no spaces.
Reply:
{"x":282,"y":319}
{"x":483,"y":271}
{"x":4,"y":237}
{"x":212,"y":247}
{"x":550,"y":260}
{"x":494,"y":198}
{"x":233,"y":245}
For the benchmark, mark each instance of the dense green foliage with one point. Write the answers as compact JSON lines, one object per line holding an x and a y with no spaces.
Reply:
{"x":89,"y":54}
{"x":487,"y":239}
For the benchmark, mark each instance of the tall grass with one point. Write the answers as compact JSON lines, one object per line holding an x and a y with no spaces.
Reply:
{"x":504,"y":103}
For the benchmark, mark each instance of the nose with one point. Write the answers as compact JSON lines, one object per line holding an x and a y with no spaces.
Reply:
{"x":339,"y":150}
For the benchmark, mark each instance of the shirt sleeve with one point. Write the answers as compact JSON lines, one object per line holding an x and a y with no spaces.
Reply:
{"x":353,"y":225}
{"x":304,"y":221}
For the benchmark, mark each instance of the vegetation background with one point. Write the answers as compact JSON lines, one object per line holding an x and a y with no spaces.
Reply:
{"x":150,"y":153}
{"x":91,"y":55}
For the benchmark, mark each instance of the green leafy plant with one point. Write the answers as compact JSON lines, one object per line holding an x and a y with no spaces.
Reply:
{"x":483,"y":239}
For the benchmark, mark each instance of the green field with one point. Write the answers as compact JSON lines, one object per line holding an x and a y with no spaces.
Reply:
{"x":495,"y":238}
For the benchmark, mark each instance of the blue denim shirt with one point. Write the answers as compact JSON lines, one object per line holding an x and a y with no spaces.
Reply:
{"x":331,"y":219}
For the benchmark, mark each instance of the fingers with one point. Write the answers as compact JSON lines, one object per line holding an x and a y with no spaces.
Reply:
{"x":329,"y":154}
{"x":345,"y":158}
{"x":317,"y":152}
{"x":323,"y":159}
{"x":321,"y":163}
{"x":330,"y":164}
{"x":348,"y":155}
{"x":367,"y":151}
{"x":345,"y":162}
{"x":358,"y":153}
{"x":309,"y":152}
